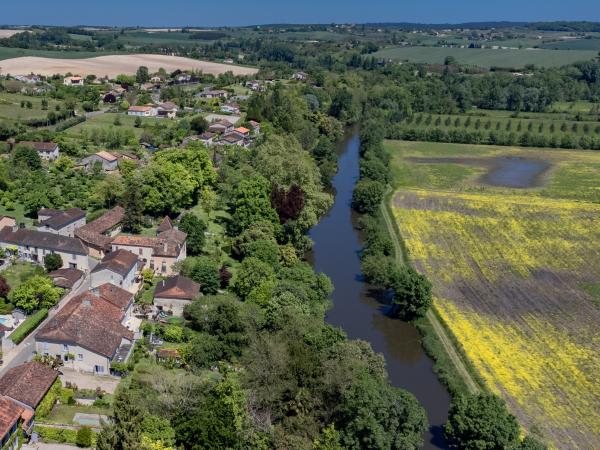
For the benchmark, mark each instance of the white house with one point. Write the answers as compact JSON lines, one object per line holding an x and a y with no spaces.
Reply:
{"x":87,"y":334}
{"x":174,"y":293}
{"x":142,"y":111}
{"x":108,"y":161}
{"x":33,"y":245}
{"x":118,"y":268}
{"x":48,"y":151}
{"x":168,"y":110}
{"x":74,"y":81}
{"x":60,"y":222}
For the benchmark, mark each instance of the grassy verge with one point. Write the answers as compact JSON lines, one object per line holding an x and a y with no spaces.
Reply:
{"x":28,"y":325}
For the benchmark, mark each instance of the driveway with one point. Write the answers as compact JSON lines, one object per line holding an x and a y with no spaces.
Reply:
{"x":89,"y":381}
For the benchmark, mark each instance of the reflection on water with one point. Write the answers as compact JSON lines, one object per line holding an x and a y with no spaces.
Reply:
{"x":358,"y":308}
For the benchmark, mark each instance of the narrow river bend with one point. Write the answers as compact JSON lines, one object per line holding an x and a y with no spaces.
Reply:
{"x":337,"y":244}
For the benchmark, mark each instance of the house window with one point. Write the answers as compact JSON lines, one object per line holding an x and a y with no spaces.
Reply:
{"x":73,"y":265}
{"x":79,"y":357}
{"x":139,"y":251}
{"x":99,"y":369}
{"x":65,"y":347}
{"x":163,"y":268}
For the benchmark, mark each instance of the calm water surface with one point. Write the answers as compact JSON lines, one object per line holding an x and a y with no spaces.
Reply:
{"x":336,"y":253}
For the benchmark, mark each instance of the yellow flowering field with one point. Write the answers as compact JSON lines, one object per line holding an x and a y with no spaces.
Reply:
{"x":516,"y":275}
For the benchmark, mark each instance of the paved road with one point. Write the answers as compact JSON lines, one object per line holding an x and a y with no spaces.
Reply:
{"x":25,"y":350}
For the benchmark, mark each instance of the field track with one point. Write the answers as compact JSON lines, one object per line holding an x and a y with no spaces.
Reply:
{"x":439,"y":329}
{"x":114,"y":65}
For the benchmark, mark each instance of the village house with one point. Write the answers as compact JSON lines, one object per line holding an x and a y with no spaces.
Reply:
{"x":174,"y":293}
{"x":74,"y":81}
{"x":66,"y":278}
{"x":29,"y":79}
{"x":233,"y":139}
{"x":48,"y":151}
{"x":168,"y":110}
{"x":108,"y":161}
{"x":220,"y":127}
{"x":231,"y":108}
{"x":242,"y":131}
{"x":118,"y":297}
{"x":7,"y":221}
{"x":88,"y":334}
{"x":33,"y":245}
{"x":156,"y":79}
{"x":159,"y":253}
{"x":300,"y":76}
{"x":142,"y":111}
{"x":27,"y":385}
{"x":210,"y":93}
{"x":60,"y":222}
{"x":98,"y":234}
{"x":118,"y":268}
{"x":183,"y":78}
{"x":255,"y":126}
{"x":12,"y":415}
{"x":254,"y":85}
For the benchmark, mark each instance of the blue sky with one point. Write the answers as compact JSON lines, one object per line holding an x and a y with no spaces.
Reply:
{"x":248,"y":12}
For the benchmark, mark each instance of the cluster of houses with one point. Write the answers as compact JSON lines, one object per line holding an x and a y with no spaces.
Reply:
{"x":97,"y":328}
{"x":166,"y":110}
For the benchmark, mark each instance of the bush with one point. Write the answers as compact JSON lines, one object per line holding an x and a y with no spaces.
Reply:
{"x":47,"y":403}
{"x":53,"y":261}
{"x":367,"y":196}
{"x":62,"y":436}
{"x":28,"y":325}
{"x":84,"y":437}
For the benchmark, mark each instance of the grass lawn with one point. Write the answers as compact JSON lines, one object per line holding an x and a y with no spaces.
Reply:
{"x":20,"y":272}
{"x":107,"y":121}
{"x":10,"y":106}
{"x":18,"y":213}
{"x":487,"y":57}
{"x":65,"y":413}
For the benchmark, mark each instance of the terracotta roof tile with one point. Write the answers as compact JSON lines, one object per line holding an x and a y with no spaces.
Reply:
{"x":10,"y":413}
{"x":28,"y":383}
{"x":119,"y":261}
{"x":177,"y":287}
{"x":65,"y":278}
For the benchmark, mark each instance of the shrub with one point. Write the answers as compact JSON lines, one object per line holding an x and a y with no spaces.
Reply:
{"x":53,"y":261}
{"x":367,"y":196}
{"x":47,"y":403}
{"x":28,"y":326}
{"x":84,"y":437}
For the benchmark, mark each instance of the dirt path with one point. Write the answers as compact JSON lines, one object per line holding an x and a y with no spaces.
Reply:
{"x":438,"y":328}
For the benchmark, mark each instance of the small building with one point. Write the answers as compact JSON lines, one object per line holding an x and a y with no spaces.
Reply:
{"x":255,"y":126}
{"x":232,"y":139}
{"x":168,"y":110}
{"x":230,"y":108}
{"x":118,"y":297}
{"x":108,"y":161}
{"x":87,"y":334}
{"x":166,"y":355}
{"x":207,"y":138}
{"x":61,"y":222}
{"x":27,"y":384}
{"x":48,"y":151}
{"x":33,"y":245}
{"x":74,"y":81}
{"x":12,"y":415}
{"x":98,"y":234}
{"x":7,"y":221}
{"x":216,"y":93}
{"x":66,"y":278}
{"x":118,"y":268}
{"x":242,"y":131}
{"x":174,"y":293}
{"x":28,"y":79}
{"x":220,"y":127}
{"x":300,"y":76}
{"x":142,"y":111}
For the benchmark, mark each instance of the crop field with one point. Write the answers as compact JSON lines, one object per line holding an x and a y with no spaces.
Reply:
{"x":114,"y":65}
{"x":516,"y":275}
{"x":488,"y":57}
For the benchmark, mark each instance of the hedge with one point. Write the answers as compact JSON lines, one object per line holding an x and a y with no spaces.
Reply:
{"x":45,"y":407}
{"x":28,"y":325}
{"x":60,"y":435}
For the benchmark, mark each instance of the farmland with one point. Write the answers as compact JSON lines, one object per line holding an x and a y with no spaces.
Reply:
{"x":485,"y":57}
{"x":515,"y":274}
{"x":114,"y":65}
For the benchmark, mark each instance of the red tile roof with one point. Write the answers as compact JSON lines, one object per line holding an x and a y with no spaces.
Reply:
{"x":10,"y":413}
{"x":65,"y":278}
{"x":28,"y":383}
{"x":93,"y":232}
{"x":177,"y":287}
{"x":115,"y":295}
{"x":89,"y":322}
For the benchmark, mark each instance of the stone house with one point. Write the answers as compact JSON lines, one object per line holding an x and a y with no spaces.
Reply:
{"x":60,"y":222}
{"x":119,"y":268}
{"x":174,"y":293}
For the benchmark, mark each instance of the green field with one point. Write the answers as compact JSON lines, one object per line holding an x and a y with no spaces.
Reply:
{"x":106,"y":121}
{"x":10,"y":106}
{"x":487,"y":57}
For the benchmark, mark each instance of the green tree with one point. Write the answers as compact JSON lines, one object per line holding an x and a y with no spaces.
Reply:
{"x":142,"y":75}
{"x":199,"y":124}
{"x":137,"y":122}
{"x":37,"y":292}
{"x":124,"y":431}
{"x":412,"y":293}
{"x":531,"y":443}
{"x":195,"y":228}
{"x":206,"y":272}
{"x":252,"y":203}
{"x":158,"y":429}
{"x":367,"y":196}
{"x":26,"y":156}
{"x":84,"y":437}
{"x":481,"y":422}
{"x":251,"y":274}
{"x":133,"y":203}
{"x":53,"y":261}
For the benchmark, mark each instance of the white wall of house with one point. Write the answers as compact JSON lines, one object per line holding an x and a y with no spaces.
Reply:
{"x":108,"y":276}
{"x":36,"y":255}
{"x":50,"y":156}
{"x":85,"y":360}
{"x":171,"y":304}
{"x":162,"y":265}
{"x":68,"y":230}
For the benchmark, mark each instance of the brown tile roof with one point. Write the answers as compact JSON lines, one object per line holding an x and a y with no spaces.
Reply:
{"x":60,"y":219}
{"x":167,"y":243}
{"x":107,"y":156}
{"x":232,"y":138}
{"x":10,"y":413}
{"x":41,"y":146}
{"x":93,"y":232}
{"x":89,"y":322}
{"x":115,"y":295}
{"x":65,"y":278}
{"x":165,"y":225}
{"x":119,"y":261}
{"x":166,"y":353}
{"x":177,"y":287}
{"x":28,"y":383}
{"x":34,"y":238}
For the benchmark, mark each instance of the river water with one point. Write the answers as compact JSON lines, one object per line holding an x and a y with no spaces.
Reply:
{"x":357,"y":311}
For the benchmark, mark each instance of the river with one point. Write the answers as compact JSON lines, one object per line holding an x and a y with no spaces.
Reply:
{"x":356,"y":310}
